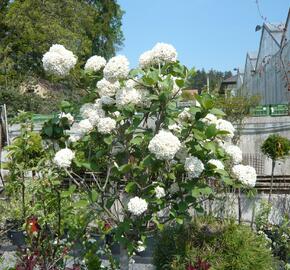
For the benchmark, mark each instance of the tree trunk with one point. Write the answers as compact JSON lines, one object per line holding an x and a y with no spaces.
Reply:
{"x":272,"y":180}
{"x":124,"y":258}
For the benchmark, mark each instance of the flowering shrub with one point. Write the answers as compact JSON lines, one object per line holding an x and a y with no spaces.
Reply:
{"x":142,"y":145}
{"x":142,"y":153}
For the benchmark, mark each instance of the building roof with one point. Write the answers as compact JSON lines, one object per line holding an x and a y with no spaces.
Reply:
{"x":276,"y":30}
{"x":231,"y":80}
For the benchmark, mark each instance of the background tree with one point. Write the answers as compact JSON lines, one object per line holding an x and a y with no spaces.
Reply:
{"x":275,"y":147}
{"x":30,"y":27}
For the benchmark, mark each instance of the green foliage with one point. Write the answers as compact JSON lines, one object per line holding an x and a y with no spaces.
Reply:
{"x":85,"y":27}
{"x":224,"y":245}
{"x":278,"y":235}
{"x":276,"y":147}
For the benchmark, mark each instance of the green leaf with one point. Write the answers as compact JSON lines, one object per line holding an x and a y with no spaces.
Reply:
{"x":217,"y":112}
{"x":137,"y":140}
{"x":108,"y":140}
{"x":200,"y":191}
{"x":94,"y":195}
{"x":130,"y":187}
{"x":81,"y":204}
{"x":211,"y":131}
{"x":125,"y":168}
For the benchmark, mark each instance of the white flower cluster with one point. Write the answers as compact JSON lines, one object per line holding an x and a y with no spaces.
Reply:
{"x":68,"y":116}
{"x":164,"y":145}
{"x":107,"y":88}
{"x":92,"y":112}
{"x":137,"y":206}
{"x":217,"y":163}
{"x":63,"y":158}
{"x":159,"y":192}
{"x":193,"y":166}
{"x":235,"y":153}
{"x":58,"y":60}
{"x":224,"y":125}
{"x":245,"y":174}
{"x":106,"y":125}
{"x":95,"y":63}
{"x":117,"y":68}
{"x":161,"y":53}
{"x":127,"y":96}
{"x":184,"y":115}
{"x":209,"y":119}
{"x":175,"y":128}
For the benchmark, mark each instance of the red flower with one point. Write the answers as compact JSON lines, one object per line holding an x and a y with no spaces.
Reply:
{"x":190,"y":267}
{"x":200,"y":265}
{"x":32,"y":225}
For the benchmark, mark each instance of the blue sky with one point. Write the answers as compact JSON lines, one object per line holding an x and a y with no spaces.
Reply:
{"x":206,"y":33}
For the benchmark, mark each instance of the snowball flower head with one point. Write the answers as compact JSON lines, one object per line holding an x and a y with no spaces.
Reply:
{"x":164,"y":53}
{"x":164,"y":145}
{"x":159,"y":192}
{"x":209,"y":119}
{"x":217,"y":163}
{"x":127,"y":96}
{"x":68,"y":116}
{"x":224,"y":125}
{"x":85,"y":126}
{"x":193,"y":166}
{"x":117,"y":68}
{"x":107,"y":88}
{"x":235,"y":153}
{"x":184,"y":115}
{"x":245,"y":174}
{"x":63,"y":158}
{"x":175,"y":128}
{"x":58,"y":60}
{"x":137,"y":206}
{"x":146,"y":59}
{"x":106,"y":125}
{"x":93,"y":112}
{"x":107,"y":100}
{"x":95,"y":63}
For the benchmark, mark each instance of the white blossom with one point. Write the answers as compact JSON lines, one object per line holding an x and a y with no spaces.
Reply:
{"x":117,"y":68}
{"x":184,"y":115}
{"x":146,"y":59}
{"x":126,"y":96}
{"x":209,"y":119}
{"x":159,"y":192}
{"x":235,"y":153}
{"x":137,"y":206}
{"x":193,"y":166}
{"x":175,"y":128}
{"x":85,"y":126}
{"x":95,"y":63}
{"x":164,"y":53}
{"x":141,"y":247}
{"x":217,"y":163}
{"x":63,"y":158}
{"x":224,"y":125}
{"x":164,"y":145}
{"x":58,"y":60}
{"x":107,"y":88}
{"x":74,"y":137}
{"x":92,"y":112}
{"x":245,"y":174}
{"x":106,"y":125}
{"x":68,"y":116}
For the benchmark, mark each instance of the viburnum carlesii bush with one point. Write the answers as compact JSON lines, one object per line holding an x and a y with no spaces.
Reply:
{"x":150,"y":161}
{"x":58,"y":60}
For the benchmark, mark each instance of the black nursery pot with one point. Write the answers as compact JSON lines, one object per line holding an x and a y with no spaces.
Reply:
{"x":17,"y":237}
{"x":148,"y":252}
